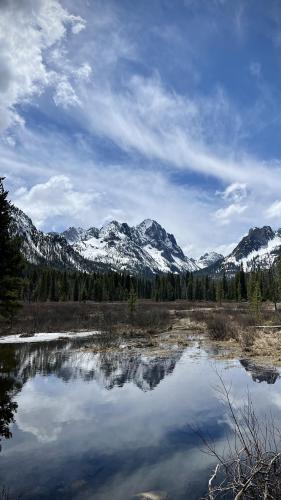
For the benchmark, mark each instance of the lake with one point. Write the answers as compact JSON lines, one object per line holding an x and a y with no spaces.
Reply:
{"x":112,"y":425}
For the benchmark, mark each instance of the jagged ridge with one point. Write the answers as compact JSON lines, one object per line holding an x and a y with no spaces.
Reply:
{"x":146,"y":248}
{"x":257,"y":250}
{"x":49,"y":249}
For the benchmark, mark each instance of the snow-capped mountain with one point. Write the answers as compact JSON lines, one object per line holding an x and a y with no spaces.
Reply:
{"x":208,"y":259}
{"x":144,"y":248}
{"x":46,"y":248}
{"x":258,"y":249}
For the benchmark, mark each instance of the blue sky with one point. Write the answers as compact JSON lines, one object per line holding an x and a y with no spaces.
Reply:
{"x":163,"y":109}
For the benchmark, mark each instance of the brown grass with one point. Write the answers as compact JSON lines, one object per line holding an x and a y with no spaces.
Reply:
{"x":75,"y":316}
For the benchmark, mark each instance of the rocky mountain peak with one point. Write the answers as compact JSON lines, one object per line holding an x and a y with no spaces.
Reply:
{"x":255,"y":239}
{"x":208,"y":259}
{"x":73,"y":234}
{"x":146,"y":247}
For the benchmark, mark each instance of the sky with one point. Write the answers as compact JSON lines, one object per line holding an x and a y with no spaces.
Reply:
{"x":133,"y":109}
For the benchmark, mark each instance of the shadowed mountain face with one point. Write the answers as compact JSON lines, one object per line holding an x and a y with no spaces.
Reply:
{"x":46,"y":248}
{"x":258,"y":249}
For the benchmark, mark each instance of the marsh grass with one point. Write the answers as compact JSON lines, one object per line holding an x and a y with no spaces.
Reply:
{"x":108,"y":317}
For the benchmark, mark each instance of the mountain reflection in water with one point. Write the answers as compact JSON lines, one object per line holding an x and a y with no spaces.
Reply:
{"x":112,"y":425}
{"x":109,"y":368}
{"x":260,"y":373}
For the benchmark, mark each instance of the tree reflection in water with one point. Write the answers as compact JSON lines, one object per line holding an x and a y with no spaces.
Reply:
{"x":8,"y":387}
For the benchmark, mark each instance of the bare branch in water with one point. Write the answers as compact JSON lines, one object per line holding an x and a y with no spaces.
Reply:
{"x":250,"y":467}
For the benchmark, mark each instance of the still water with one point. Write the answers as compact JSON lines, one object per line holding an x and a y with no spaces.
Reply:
{"x":110,"y":426}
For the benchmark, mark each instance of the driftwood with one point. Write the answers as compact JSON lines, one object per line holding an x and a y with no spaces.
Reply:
{"x":266,"y":326}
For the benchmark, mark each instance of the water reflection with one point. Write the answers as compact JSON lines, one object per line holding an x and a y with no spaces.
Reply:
{"x":9,"y":385}
{"x":112,"y":425}
{"x":109,"y":368}
{"x":260,"y":373}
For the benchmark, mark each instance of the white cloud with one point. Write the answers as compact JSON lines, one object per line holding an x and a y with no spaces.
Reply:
{"x":29,"y":32}
{"x":274,"y":210}
{"x":45,"y":416}
{"x":55,"y":198}
{"x":83,"y":73}
{"x":234,"y":192}
{"x":125,"y":192}
{"x":65,"y":94}
{"x":145,"y":117}
{"x":224,"y":215}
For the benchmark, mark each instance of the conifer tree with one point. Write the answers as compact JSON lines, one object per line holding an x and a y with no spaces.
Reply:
{"x":11,"y":263}
{"x":219,"y":291}
{"x":256,"y":299}
{"x":132,"y":301}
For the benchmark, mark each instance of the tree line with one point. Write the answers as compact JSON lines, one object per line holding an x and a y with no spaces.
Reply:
{"x":47,"y":284}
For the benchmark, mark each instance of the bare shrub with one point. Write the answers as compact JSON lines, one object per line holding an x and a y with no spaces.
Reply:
{"x":247,"y":338}
{"x":250,"y":466}
{"x":220,"y":327}
{"x":199,"y":315}
{"x":245,"y":320}
{"x":151,"y":319}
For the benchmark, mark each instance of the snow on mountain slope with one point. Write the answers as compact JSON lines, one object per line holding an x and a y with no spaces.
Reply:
{"x":145,"y":248}
{"x":208,"y":259}
{"x":257,"y":249}
{"x":45,"y":248}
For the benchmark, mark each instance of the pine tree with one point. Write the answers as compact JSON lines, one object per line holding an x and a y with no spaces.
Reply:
{"x":11,"y":262}
{"x":277,"y":281}
{"x":76,"y":290}
{"x":219,"y":291}
{"x":256,"y":299}
{"x":132,"y":301}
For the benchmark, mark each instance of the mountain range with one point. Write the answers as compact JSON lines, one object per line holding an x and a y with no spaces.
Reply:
{"x":143,"y":249}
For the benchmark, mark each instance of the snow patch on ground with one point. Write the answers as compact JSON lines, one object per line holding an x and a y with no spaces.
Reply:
{"x":44,"y":337}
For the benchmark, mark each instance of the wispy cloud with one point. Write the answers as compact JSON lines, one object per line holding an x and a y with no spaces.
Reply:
{"x":29,"y":33}
{"x":274,"y":210}
{"x":224,"y":215}
{"x":235,"y":192}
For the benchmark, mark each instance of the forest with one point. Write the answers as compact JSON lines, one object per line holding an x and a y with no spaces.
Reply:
{"x":47,"y":284}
